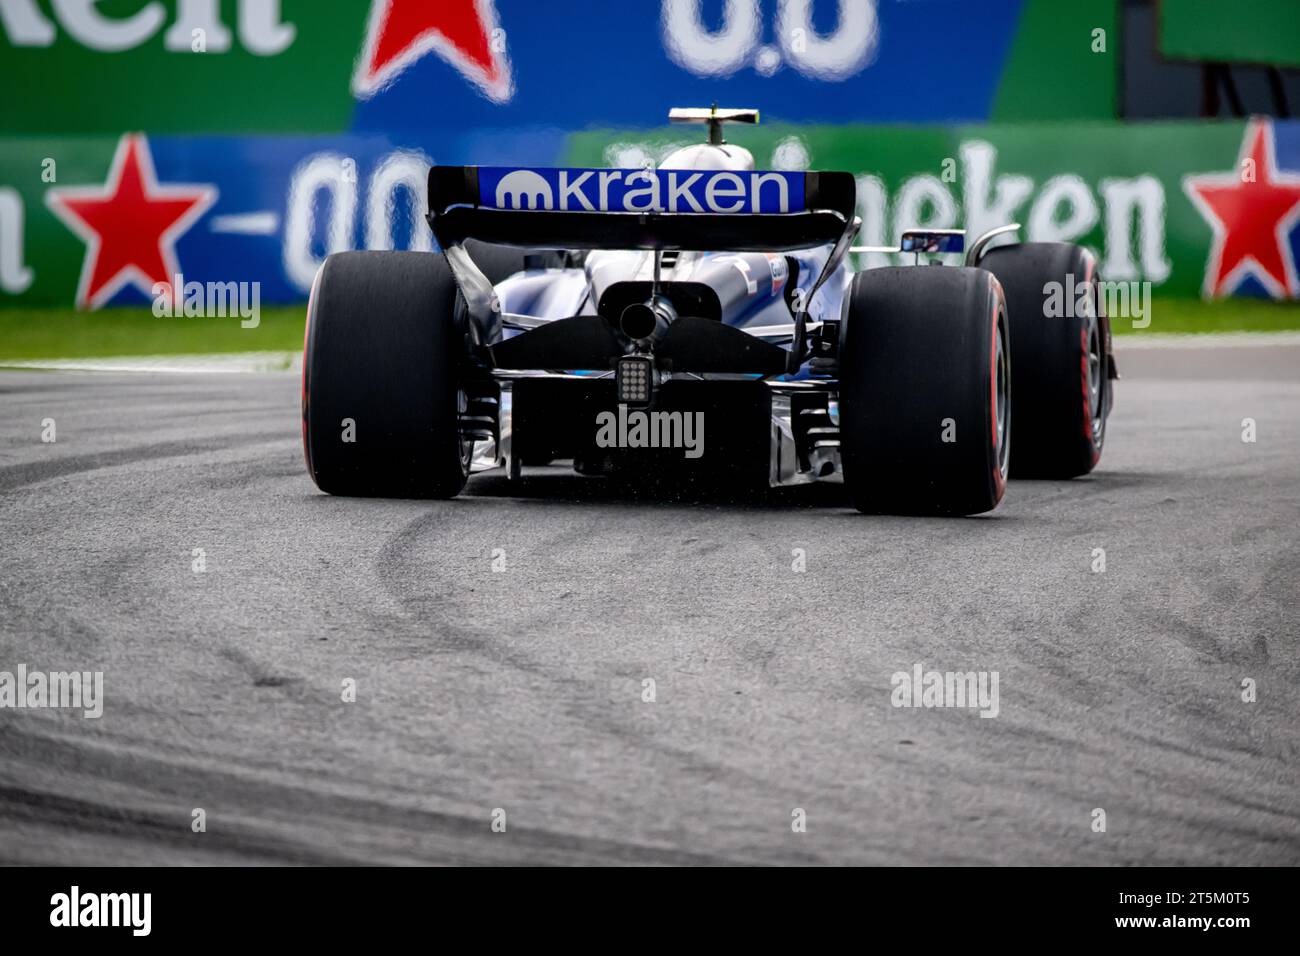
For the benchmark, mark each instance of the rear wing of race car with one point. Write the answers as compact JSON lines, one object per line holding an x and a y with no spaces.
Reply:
{"x":701,"y":210}
{"x":655,"y":209}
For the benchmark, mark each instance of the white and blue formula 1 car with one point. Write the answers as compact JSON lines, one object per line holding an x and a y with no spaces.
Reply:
{"x":699,"y":320}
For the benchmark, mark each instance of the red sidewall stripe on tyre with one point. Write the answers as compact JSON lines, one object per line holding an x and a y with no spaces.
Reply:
{"x":999,"y":480}
{"x":1084,"y":371}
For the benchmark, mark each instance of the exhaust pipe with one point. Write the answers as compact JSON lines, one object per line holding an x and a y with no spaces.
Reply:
{"x":644,"y":322}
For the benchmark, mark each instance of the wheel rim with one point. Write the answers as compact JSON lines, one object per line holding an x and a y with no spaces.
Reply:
{"x":1002,"y":397}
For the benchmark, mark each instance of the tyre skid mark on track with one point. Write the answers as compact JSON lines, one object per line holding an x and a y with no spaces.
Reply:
{"x":13,"y":477}
{"x":572,"y":693}
{"x":157,"y":827}
{"x":247,"y":813}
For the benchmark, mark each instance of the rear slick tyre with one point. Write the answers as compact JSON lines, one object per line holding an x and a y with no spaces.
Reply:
{"x":1063,"y":390}
{"x":925,"y":369}
{"x":381,"y":407}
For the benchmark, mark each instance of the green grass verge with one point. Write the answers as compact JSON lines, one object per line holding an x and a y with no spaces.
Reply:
{"x":1220,"y":315}
{"x":64,"y":333}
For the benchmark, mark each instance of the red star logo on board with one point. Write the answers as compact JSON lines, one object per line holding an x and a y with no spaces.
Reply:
{"x":462,"y":32}
{"x":1252,"y":210}
{"x":130,"y":224}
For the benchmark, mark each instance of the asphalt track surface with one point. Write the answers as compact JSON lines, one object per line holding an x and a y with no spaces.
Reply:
{"x":521,"y":689}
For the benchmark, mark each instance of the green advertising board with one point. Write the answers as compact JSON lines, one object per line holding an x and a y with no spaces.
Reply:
{"x":177,"y":66}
